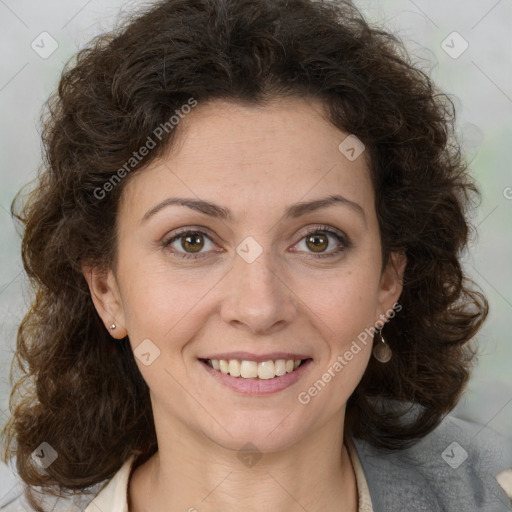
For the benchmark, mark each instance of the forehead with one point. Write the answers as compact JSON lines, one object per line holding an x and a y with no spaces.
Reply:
{"x":253,"y":157}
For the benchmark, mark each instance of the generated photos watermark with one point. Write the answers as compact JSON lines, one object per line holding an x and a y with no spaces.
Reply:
{"x":304,"y":397}
{"x":137,"y":156}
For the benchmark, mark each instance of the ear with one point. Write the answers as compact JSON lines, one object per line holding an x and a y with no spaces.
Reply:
{"x":106,"y":298}
{"x":391,"y":285}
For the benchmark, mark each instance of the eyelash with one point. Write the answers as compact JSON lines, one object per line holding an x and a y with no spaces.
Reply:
{"x":343,"y":239}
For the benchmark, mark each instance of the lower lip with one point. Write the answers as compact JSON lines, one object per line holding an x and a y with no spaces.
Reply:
{"x":258,"y":386}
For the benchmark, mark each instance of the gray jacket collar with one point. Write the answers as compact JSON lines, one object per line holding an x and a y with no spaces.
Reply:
{"x":451,"y":469}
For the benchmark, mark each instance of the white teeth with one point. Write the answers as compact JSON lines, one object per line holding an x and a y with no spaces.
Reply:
{"x":249,"y":369}
{"x":266,"y":370}
{"x":280,"y":367}
{"x":234,"y":368}
{"x":224,"y":366}
{"x":252,"y":369}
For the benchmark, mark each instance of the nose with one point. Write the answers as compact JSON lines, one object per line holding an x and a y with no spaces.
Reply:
{"x":257,"y":296}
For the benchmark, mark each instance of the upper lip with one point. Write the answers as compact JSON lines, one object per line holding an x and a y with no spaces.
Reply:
{"x":271,"y":356}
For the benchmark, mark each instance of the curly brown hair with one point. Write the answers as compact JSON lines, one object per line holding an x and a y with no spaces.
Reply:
{"x":84,"y":394}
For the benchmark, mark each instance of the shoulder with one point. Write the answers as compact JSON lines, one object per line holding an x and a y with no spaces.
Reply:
{"x":453,"y":468}
{"x":15,"y":500}
{"x":110,"y":494}
{"x":19,"y":503}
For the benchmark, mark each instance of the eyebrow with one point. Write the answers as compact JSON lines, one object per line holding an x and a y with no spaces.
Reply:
{"x":291,"y":212}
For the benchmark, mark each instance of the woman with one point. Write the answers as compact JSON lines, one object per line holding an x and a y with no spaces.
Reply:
{"x":245,"y":247}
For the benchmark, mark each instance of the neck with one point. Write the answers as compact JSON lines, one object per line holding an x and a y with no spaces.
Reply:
{"x":193,"y":474}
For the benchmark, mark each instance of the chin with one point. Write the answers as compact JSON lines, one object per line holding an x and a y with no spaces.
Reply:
{"x":270,"y":432}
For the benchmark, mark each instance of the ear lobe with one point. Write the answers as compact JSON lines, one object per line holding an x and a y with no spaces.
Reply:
{"x":106,"y":298}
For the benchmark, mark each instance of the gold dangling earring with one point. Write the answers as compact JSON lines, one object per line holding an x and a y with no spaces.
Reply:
{"x":382,"y":352}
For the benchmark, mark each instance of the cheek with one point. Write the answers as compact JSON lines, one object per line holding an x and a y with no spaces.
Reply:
{"x":344,"y":303}
{"x":343,"y":308}
{"x":163,"y":310}
{"x":158,"y":299}
{"x":344,"y":320}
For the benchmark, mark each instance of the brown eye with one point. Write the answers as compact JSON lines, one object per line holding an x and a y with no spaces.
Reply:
{"x":193,"y":242}
{"x":317,"y":242}
{"x":188,"y":243}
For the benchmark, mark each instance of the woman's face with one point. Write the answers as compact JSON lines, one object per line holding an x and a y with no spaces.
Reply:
{"x":246,"y":280}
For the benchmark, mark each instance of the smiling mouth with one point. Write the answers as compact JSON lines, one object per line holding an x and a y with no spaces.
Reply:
{"x":263,"y":370}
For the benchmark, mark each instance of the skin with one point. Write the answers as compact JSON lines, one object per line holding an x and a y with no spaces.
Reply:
{"x":255,"y":161}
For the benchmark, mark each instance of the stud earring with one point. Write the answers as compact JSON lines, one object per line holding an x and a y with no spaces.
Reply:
{"x":382,"y":352}
{"x":112,"y":326}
